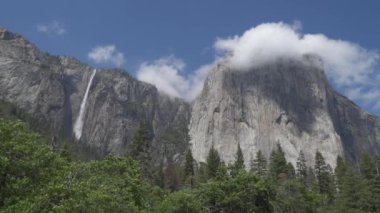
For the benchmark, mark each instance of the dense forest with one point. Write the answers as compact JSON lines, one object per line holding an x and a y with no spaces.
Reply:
{"x":38,"y":177}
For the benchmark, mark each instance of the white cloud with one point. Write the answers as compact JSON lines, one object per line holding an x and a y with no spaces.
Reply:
{"x":367,"y":97}
{"x":346,"y":63}
{"x":167,"y":75}
{"x":351,"y":68}
{"x":107,"y":54}
{"x":53,"y":27}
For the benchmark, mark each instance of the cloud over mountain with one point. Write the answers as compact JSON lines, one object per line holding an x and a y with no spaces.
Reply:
{"x":350,"y":67}
{"x":346,"y":63}
{"x":167,"y":74}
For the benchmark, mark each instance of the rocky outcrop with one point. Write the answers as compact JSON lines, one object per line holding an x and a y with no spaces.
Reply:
{"x":50,"y":89}
{"x":287,"y":102}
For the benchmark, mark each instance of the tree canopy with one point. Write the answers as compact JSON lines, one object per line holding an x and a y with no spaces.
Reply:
{"x":36,"y":178}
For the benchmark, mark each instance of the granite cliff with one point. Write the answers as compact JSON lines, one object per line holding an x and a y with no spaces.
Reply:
{"x":49,"y":89}
{"x":288,"y":102}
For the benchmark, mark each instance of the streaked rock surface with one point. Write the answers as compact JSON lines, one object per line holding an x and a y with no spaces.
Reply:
{"x":287,"y":102}
{"x":51,"y":88}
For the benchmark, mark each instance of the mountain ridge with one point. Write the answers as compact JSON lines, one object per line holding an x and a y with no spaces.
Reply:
{"x":289,"y":102}
{"x":50,"y":89}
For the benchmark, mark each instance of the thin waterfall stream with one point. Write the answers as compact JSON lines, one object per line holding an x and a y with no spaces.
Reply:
{"x":78,"y":126}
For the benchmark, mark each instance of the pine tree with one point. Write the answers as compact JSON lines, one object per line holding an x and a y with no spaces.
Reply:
{"x":259,"y":164}
{"x":354,"y":193}
{"x":221,"y":173}
{"x":324,"y":176}
{"x":213,"y":163}
{"x":371,"y":179}
{"x":291,"y":172}
{"x":139,"y":150}
{"x":188,"y":176}
{"x":302,"y":168}
{"x":367,"y":167}
{"x":340,"y":170}
{"x":374,"y":190}
{"x":189,"y":164}
{"x":239,"y":162}
{"x":310,"y":180}
{"x":140,"y":142}
{"x":278,"y":165}
{"x":201,"y":175}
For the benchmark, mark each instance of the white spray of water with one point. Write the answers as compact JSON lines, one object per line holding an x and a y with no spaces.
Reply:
{"x":78,"y":126}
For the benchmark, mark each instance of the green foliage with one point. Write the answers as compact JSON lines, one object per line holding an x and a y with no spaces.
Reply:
{"x":140,"y":143}
{"x":374,"y":193}
{"x":291,"y":172}
{"x":259,"y":164}
{"x":64,"y":153}
{"x":189,"y":169}
{"x":340,"y":171}
{"x":367,"y":166}
{"x":353,"y":194}
{"x":294,"y":196}
{"x":213,"y":163}
{"x":139,"y":150}
{"x":302,"y":168}
{"x":109,"y":185}
{"x":189,"y":165}
{"x":239,"y":161}
{"x":222,"y":171}
{"x":324,"y":177}
{"x":26,"y":164}
{"x":310,"y":180}
{"x":33,"y":178}
{"x":244,"y":192}
{"x":181,"y":201}
{"x":278,"y":167}
{"x":201,"y":174}
{"x":159,"y":176}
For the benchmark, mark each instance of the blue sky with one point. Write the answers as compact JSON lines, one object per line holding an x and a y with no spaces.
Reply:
{"x":138,"y":32}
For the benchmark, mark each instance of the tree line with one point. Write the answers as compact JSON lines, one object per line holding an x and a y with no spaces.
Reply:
{"x":36,"y":178}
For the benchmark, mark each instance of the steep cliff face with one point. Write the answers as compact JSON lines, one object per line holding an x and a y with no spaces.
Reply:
{"x":50,"y":89}
{"x":287,"y":102}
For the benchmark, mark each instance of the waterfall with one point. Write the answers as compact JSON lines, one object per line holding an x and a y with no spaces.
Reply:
{"x":78,"y":126}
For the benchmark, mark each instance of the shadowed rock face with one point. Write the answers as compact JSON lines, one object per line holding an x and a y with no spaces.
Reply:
{"x":50,"y":89}
{"x":287,"y":102}
{"x":359,"y":130}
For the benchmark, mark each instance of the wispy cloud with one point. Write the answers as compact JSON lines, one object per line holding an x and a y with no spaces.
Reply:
{"x":52,"y":28}
{"x":107,"y":54}
{"x":167,"y":74}
{"x":369,"y":97}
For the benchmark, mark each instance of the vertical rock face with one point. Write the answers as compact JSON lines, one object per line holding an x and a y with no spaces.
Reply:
{"x":50,"y":89}
{"x":287,"y":102}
